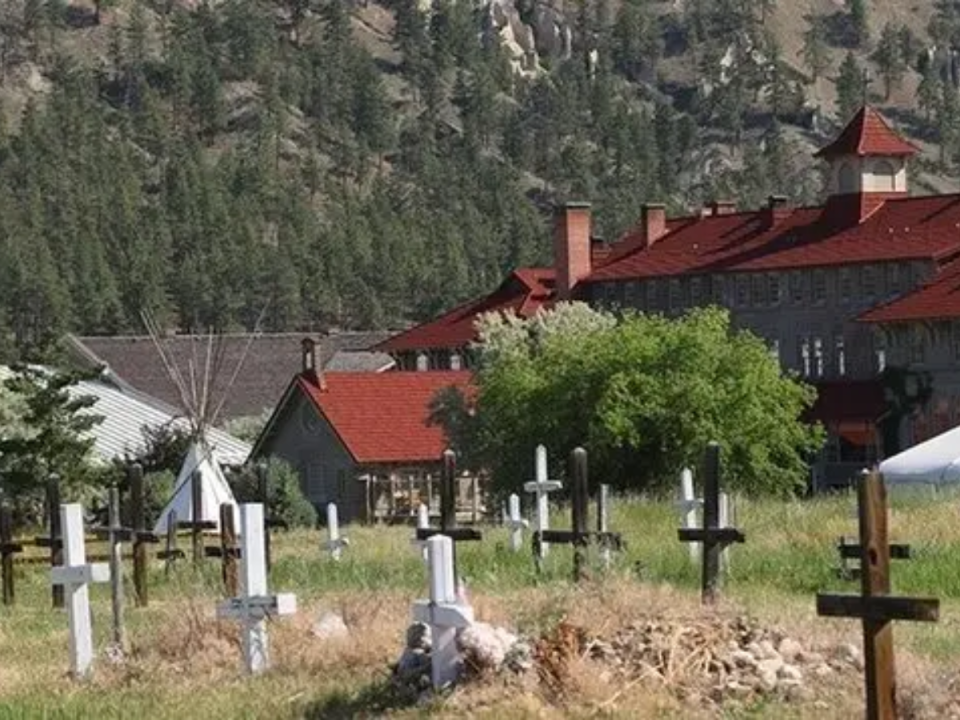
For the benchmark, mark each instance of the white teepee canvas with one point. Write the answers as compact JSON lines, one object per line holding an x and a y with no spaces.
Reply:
{"x":216,"y":491}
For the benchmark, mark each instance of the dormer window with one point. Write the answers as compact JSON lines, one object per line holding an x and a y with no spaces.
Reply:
{"x":884,"y":176}
{"x":846,"y":178}
{"x":796,"y":287}
{"x":775,"y":289}
{"x":819,"y":287}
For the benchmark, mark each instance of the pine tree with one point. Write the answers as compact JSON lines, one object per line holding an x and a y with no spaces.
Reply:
{"x":815,"y":54}
{"x":929,"y":93}
{"x":850,"y":88}
{"x":860,"y":33}
{"x":889,"y":59}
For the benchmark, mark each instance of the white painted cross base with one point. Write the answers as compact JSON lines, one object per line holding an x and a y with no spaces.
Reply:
{"x":75,"y":575}
{"x":516,"y":523}
{"x":442,"y":612}
{"x":541,"y":487}
{"x":423,"y":523}
{"x":254,"y":605}
{"x":335,"y":543}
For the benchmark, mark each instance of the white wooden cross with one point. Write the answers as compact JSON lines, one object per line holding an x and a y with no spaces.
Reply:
{"x":423,"y":523}
{"x":603,"y":522}
{"x":254,"y":604}
{"x":690,"y":505}
{"x":443,"y":612}
{"x":516,"y":523}
{"x":541,"y":487}
{"x":75,"y":575}
{"x":335,"y":543}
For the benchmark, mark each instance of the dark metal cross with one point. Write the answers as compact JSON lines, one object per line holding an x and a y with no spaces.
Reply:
{"x":579,"y":536}
{"x":8,"y":548}
{"x":448,"y":510}
{"x":713,"y":537}
{"x":54,"y":541}
{"x":875,"y":606}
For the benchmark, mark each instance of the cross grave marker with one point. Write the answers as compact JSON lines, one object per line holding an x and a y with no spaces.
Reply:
{"x":713,"y":537}
{"x":139,"y":534}
{"x":516,"y":523}
{"x":196,"y":524}
{"x":74,"y":576}
{"x":875,"y":606}
{"x":443,"y":612}
{"x":448,"y":509}
{"x":335,"y":543}
{"x":579,"y":536}
{"x":423,"y":523}
{"x":253,"y":605}
{"x":54,"y":541}
{"x":542,"y":487}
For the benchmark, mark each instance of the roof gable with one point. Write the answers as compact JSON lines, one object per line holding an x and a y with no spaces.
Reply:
{"x":384,"y":417}
{"x":936,"y":299}
{"x":867,"y":134}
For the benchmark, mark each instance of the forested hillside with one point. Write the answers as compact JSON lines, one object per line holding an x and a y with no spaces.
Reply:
{"x":362,"y":164}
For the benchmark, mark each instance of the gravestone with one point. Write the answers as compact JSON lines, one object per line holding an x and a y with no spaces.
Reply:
{"x":875,"y":606}
{"x":541,"y":487}
{"x":74,"y":577}
{"x":335,"y":543}
{"x":515,"y":523}
{"x":254,"y":605}
{"x":443,"y":612}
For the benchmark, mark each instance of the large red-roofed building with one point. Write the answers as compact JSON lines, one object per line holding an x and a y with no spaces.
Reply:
{"x":841,"y":292}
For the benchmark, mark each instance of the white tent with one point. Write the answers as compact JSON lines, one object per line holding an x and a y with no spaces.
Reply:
{"x":933,"y":462}
{"x":216,"y":491}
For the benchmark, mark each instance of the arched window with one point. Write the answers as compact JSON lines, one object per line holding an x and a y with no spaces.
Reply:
{"x":885,"y":176}
{"x":847,"y":178}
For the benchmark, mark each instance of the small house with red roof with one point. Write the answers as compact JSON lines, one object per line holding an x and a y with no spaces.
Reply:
{"x":841,"y":292}
{"x":355,"y":436}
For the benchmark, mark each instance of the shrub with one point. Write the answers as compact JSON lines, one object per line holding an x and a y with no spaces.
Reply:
{"x":285,"y":499}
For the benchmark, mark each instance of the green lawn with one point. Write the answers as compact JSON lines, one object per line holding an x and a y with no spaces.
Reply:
{"x":184,"y":664}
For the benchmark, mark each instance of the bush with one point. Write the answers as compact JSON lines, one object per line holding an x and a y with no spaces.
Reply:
{"x":157,"y":491}
{"x":285,"y":499}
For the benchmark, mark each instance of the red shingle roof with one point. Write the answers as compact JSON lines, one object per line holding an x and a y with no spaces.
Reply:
{"x":867,"y":134}
{"x":382,"y":417}
{"x":900,"y":229}
{"x":936,"y":299}
{"x":843,"y":401}
{"x":525,"y":291}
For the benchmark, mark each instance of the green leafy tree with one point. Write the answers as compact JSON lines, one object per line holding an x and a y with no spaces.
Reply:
{"x":52,"y":436}
{"x":850,"y":88}
{"x":890,"y":59}
{"x":285,"y":499}
{"x":643,"y":394}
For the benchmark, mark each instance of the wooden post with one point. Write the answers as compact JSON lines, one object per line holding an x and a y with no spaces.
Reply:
{"x":196,"y":506}
{"x":8,"y":548}
{"x":138,"y":521}
{"x":170,"y":553}
{"x":475,"y":491}
{"x":228,"y":550}
{"x":56,"y":539}
{"x":116,"y":566}
{"x":874,"y":605}
{"x":581,"y":494}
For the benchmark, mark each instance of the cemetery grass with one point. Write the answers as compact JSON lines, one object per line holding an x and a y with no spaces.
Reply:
{"x":183,"y":663}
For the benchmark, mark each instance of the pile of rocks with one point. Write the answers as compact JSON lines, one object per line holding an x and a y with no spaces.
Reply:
{"x":720,"y":658}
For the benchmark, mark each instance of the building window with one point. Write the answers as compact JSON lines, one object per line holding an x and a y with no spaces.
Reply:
{"x":743,"y":291}
{"x":893,"y":279}
{"x":796,"y":287}
{"x":343,"y":477}
{"x":956,"y":341}
{"x":758,"y":290}
{"x":846,"y":286}
{"x":609,"y":294}
{"x":456,"y":362}
{"x":918,"y":346}
{"x":847,"y":178}
{"x":885,"y":177}
{"x":775,"y":350}
{"x":676,"y":294}
{"x":773,"y":280}
{"x":803,"y":350}
{"x":696,"y":291}
{"x":818,"y":357}
{"x":868,"y":282}
{"x":423,"y":362}
{"x":819,"y":287}
{"x":841,"y":356}
{"x":630,"y":294}
{"x":719,"y":297}
{"x":652,"y":303}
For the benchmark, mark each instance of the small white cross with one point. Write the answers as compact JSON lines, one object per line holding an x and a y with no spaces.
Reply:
{"x":254,"y":604}
{"x":516,"y":523}
{"x":75,"y":574}
{"x":603,"y":521}
{"x":423,"y":523}
{"x":443,"y":612}
{"x":688,"y":505}
{"x":541,"y":487}
{"x":335,"y":543}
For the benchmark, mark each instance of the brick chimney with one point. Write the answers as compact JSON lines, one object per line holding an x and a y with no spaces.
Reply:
{"x":308,"y":356}
{"x":571,"y":246}
{"x":653,"y":223}
{"x":723,"y":207}
{"x":777,"y":210}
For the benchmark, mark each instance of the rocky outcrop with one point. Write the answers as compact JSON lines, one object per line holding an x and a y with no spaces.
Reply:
{"x":546,"y":32}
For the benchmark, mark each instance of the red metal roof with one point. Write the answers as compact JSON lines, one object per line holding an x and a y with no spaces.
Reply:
{"x":383,"y":417}
{"x":867,"y":134}
{"x":936,"y":299}
{"x":525,"y":291}
{"x":902,"y":228}
{"x":844,"y":401}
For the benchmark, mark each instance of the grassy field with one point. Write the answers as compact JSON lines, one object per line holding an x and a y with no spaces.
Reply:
{"x":182,"y":663}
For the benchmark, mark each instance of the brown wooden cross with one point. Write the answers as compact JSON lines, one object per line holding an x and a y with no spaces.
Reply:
{"x":54,"y":541}
{"x":851,"y":551}
{"x":579,"y":536}
{"x":875,"y":606}
{"x":228,"y":551}
{"x":269,"y":522}
{"x":8,"y":548}
{"x":196,"y":525}
{"x":713,"y":537}
{"x":448,"y":510}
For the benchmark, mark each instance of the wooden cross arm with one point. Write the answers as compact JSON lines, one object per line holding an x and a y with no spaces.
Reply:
{"x":457,"y":534}
{"x":879,"y":607}
{"x":121,"y":533}
{"x":605,"y":539}
{"x":720,"y":536}
{"x":46,"y":542}
{"x":202,"y":524}
{"x":174,"y":554}
{"x":145,"y":536}
{"x":853,"y":551}
{"x":215,"y":551}
{"x":9,"y":548}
